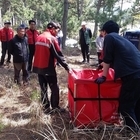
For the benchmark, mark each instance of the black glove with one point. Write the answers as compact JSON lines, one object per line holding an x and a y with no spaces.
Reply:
{"x":100,"y":80}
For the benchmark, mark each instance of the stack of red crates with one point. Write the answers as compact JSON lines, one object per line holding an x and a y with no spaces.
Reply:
{"x":91,"y":103}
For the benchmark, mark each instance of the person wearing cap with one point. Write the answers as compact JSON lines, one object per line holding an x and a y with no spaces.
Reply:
{"x":125,"y":59}
{"x":99,"y":46}
{"x":32,"y":34}
{"x":26,"y":28}
{"x":18,"y":47}
{"x":46,"y":53}
{"x":6,"y":34}
{"x":84,"y":41}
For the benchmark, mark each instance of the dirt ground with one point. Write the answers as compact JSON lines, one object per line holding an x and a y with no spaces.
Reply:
{"x":21,"y":115}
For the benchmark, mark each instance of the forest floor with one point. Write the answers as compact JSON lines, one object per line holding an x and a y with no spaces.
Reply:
{"x":21,"y":115}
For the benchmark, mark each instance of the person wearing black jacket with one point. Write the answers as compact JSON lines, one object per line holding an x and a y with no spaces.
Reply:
{"x":18,"y":47}
{"x":84,"y":41}
{"x":125,"y":60}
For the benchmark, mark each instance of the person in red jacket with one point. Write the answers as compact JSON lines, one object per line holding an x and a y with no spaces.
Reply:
{"x":46,"y":53}
{"x":32,"y":34}
{"x":6,"y":34}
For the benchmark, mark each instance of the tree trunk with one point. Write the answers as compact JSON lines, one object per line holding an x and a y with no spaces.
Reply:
{"x":80,"y":4}
{"x":64,"y":22}
{"x":121,"y":12}
{"x":98,"y":5}
{"x":0,"y":19}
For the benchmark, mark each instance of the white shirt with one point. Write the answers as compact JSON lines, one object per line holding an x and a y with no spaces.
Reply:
{"x":99,"y":43}
{"x":60,"y":34}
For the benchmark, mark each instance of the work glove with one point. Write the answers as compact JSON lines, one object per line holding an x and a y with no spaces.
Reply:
{"x":100,"y":80}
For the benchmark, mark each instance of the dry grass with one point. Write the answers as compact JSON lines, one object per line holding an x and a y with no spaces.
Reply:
{"x":22,"y":118}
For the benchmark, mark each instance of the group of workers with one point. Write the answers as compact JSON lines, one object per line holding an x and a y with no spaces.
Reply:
{"x":118,"y":52}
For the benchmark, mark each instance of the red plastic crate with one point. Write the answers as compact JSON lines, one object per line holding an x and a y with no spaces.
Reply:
{"x":91,"y":103}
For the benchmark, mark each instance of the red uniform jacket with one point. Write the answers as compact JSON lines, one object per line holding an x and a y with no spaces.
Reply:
{"x":46,"y":52}
{"x":6,"y":34}
{"x":32,"y":35}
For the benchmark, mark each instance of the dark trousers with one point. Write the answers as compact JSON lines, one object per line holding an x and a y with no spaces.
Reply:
{"x":4,"y":51}
{"x":31,"y":55}
{"x":99,"y":60}
{"x":85,"y":52}
{"x":129,"y":103}
{"x":17,"y":68}
{"x":44,"y":81}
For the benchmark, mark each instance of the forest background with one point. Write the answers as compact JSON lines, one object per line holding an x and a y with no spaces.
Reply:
{"x":21,"y":115}
{"x":70,"y":13}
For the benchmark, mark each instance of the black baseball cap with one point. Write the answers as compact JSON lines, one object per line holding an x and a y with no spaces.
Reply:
{"x":22,"y":26}
{"x":7,"y":22}
{"x":52,"y":25}
{"x":110,"y":26}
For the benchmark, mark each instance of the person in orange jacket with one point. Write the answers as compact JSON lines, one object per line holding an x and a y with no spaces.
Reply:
{"x":46,"y":53}
{"x":6,"y":34}
{"x":32,"y":34}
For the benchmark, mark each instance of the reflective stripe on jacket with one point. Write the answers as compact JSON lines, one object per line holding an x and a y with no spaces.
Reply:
{"x":46,"y":52}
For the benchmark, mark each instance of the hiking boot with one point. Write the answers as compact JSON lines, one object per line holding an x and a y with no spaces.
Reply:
{"x":16,"y":81}
{"x":83,"y":61}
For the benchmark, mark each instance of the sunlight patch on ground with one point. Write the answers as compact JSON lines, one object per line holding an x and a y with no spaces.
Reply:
{"x":13,"y":123}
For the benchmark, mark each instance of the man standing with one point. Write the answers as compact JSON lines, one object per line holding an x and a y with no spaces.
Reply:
{"x":99,"y":46}
{"x":6,"y":34}
{"x":46,"y":53}
{"x":125,"y":59}
{"x":84,"y":41}
{"x":59,"y":36}
{"x":18,"y":47}
{"x":32,"y":34}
